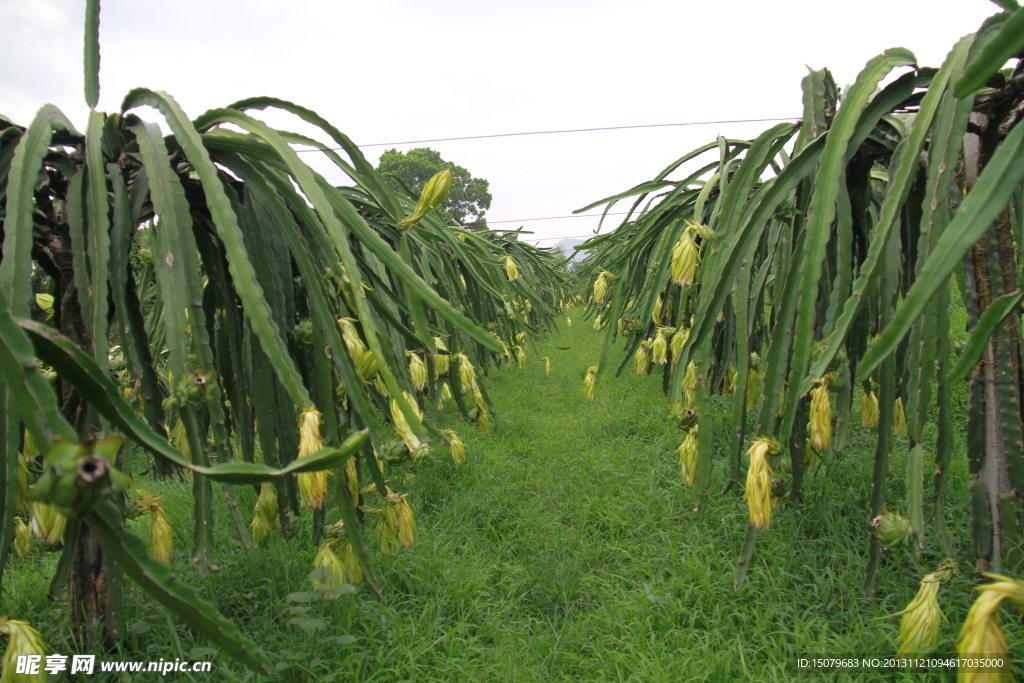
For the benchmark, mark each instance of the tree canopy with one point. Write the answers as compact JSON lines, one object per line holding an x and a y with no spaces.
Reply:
{"x":469,"y":198}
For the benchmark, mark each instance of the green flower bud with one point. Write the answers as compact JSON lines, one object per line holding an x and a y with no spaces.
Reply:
{"x":434,"y":192}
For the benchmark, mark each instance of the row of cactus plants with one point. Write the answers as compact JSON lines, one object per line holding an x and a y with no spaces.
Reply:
{"x":207,"y":290}
{"x":819,"y":257}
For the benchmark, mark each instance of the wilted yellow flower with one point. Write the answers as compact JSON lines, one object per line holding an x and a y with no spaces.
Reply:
{"x":511,"y":270}
{"x":811,"y":456}
{"x":29,"y":448}
{"x":353,"y":342}
{"x":781,"y":407}
{"x":179,"y":437}
{"x":333,"y":573}
{"x":688,"y":457}
{"x":312,"y":485}
{"x":919,"y":627}
{"x":441,"y":360}
{"x":446,"y":395}
{"x":656,"y":312}
{"x":312,"y":489}
{"x":690,"y":382}
{"x":521,"y":357}
{"x":21,"y":502}
{"x":868,"y":409}
{"x":479,"y":401}
{"x":161,"y":534}
{"x":483,"y":421}
{"x":310,"y":441}
{"x":381,"y":387}
{"x":406,"y":519}
{"x":547,"y":365}
{"x":590,"y":383}
{"x":397,"y":525}
{"x":387,"y":530}
{"x":23,"y":640}
{"x":417,"y":371}
{"x":352,"y":475}
{"x":264,"y":513}
{"x":349,"y":561}
{"x":47,"y":524}
{"x":402,"y":427}
{"x":685,"y":259}
{"x":601,"y":286}
{"x":366,"y":366}
{"x":21,"y":539}
{"x":568,"y":321}
{"x":982,"y":634}
{"x":678,"y":342}
{"x":759,"y":482}
{"x":467,"y":374}
{"x":659,"y":348}
{"x":458,"y":448}
{"x":753,"y":384}
{"x":899,"y":424}
{"x":821,"y":416}
{"x":641,"y":359}
{"x":729,"y":379}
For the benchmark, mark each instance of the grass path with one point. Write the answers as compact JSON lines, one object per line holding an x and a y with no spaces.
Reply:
{"x":564,"y":550}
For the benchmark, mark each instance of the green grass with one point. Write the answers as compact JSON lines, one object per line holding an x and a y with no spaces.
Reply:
{"x":565,"y":549}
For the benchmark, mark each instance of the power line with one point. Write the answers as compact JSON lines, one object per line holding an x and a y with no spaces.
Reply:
{"x":556,"y":132}
{"x":555,"y":218}
{"x":566,"y":237}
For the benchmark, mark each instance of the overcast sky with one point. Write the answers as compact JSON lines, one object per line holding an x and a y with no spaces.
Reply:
{"x":397,"y":70}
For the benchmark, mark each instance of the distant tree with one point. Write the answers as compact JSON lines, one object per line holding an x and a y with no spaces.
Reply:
{"x":469,"y":198}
